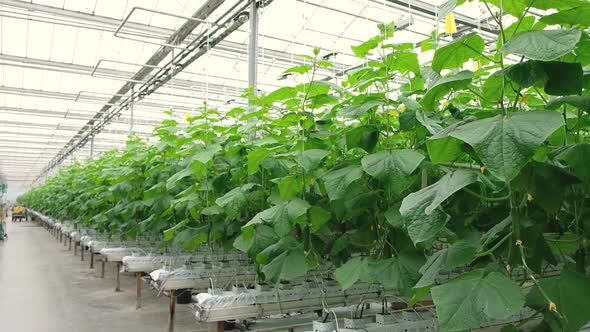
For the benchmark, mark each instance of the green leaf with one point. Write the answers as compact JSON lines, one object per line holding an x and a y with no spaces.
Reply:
{"x":355,"y":111}
{"x":455,"y":54}
{"x":492,"y":89}
{"x":545,"y":45}
{"x":563,"y":78}
{"x":517,"y":7}
{"x":289,"y":265}
{"x":363,"y":49}
{"x":526,"y":73}
{"x":299,"y":69}
{"x":575,"y":157}
{"x":398,"y":273}
{"x":337,"y":181}
{"x":281,"y":216}
{"x":205,"y":155}
{"x":352,"y":271}
{"x":170,"y":232}
{"x":570,"y":292}
{"x":403,"y":62}
{"x":311,"y":159}
{"x":173,"y":180}
{"x":581,"y":102}
{"x":560,"y":78}
{"x":364,"y":137}
{"x":289,"y":186}
{"x":444,"y":85}
{"x":255,"y":157}
{"x":393,"y":217}
{"x":235,"y":200}
{"x":256,"y":240}
{"x":317,"y":218}
{"x":493,"y":232}
{"x":506,"y":143}
{"x":547,"y":184}
{"x":393,"y":167}
{"x":280,"y":94}
{"x":467,"y":301}
{"x":575,"y":16}
{"x":458,"y":254}
{"x":421,"y":210}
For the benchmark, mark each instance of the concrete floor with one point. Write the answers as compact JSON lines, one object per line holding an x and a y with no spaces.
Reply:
{"x":45,"y":288}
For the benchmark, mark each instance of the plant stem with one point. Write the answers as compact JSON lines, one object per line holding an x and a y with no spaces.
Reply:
{"x":489,"y":199}
{"x":496,"y":246}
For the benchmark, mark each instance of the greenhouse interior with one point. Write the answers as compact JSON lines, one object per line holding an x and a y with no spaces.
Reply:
{"x":294,"y":165}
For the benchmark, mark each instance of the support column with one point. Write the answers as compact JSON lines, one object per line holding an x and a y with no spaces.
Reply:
{"x":118,"y":277}
{"x":253,"y":57}
{"x":137,"y":290}
{"x":172,"y":311}
{"x":92,"y":147}
{"x":131,"y":109}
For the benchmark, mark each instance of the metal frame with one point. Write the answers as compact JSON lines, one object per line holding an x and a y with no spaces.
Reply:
{"x":138,"y":8}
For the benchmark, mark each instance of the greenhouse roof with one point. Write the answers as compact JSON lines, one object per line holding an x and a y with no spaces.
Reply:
{"x":69,"y":67}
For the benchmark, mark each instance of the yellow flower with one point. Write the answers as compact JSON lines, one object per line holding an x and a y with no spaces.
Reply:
{"x":523,"y":100}
{"x":519,"y":242}
{"x":529,"y":197}
{"x":475,"y":66}
{"x":403,"y":108}
{"x":393,"y":113}
{"x":446,"y":103}
{"x":187,"y":115}
{"x":303,"y":118}
{"x":482,"y":169}
{"x":553,"y":306}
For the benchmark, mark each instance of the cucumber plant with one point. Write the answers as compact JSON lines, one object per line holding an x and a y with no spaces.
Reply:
{"x":403,"y":172}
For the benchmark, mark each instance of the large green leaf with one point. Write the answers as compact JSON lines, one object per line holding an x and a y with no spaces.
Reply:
{"x":575,"y":16}
{"x":392,"y":167}
{"x":506,"y":143}
{"x":255,"y":158}
{"x":205,"y":155}
{"x":467,"y":301}
{"x":526,"y":73}
{"x":289,"y":265}
{"x":173,"y":180}
{"x":575,"y":157}
{"x":547,"y":184}
{"x":560,"y":78}
{"x":235,"y":200}
{"x":424,"y":219}
{"x":256,"y":240}
{"x":403,"y":62}
{"x":458,"y":254}
{"x":581,"y":102}
{"x":355,"y":111}
{"x":399,"y":273}
{"x":489,"y":236}
{"x":353,"y":270}
{"x":517,"y":7}
{"x":337,"y":181}
{"x":310,"y":159}
{"x":545,"y":45}
{"x":444,"y":85}
{"x":455,"y":54}
{"x":364,"y":137}
{"x":282,"y":216}
{"x":570,"y":292}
